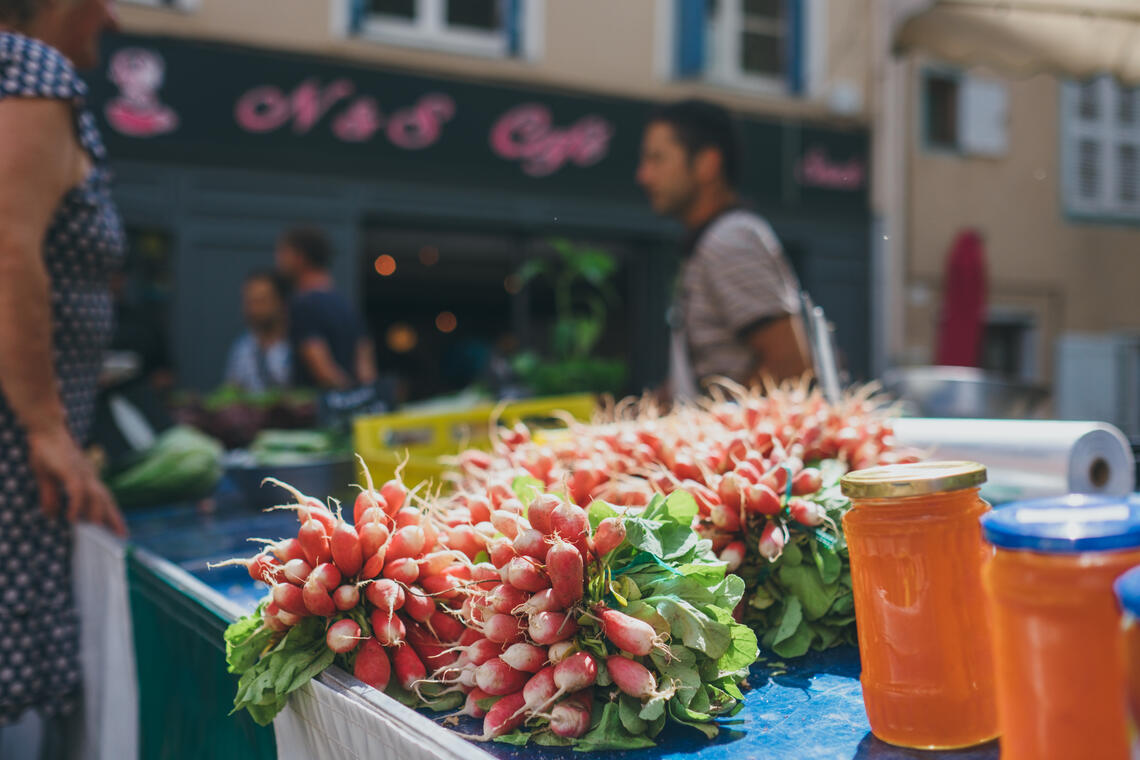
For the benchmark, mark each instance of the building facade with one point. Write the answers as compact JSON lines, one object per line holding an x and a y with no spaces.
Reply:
{"x":459,"y":138}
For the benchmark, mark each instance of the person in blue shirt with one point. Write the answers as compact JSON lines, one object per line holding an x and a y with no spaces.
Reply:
{"x":331,"y":349}
{"x":261,"y":359}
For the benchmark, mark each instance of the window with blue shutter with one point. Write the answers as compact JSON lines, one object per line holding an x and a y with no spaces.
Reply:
{"x":744,"y":42}
{"x":479,"y":27}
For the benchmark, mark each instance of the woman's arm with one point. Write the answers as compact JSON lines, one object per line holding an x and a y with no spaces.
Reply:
{"x":40,"y":160}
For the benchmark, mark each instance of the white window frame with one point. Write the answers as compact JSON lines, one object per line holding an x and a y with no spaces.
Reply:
{"x":723,"y":47}
{"x":1110,"y":134}
{"x":173,"y":5}
{"x":429,"y":29}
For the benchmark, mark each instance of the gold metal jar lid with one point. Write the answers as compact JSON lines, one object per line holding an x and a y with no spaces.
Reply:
{"x":899,"y":480}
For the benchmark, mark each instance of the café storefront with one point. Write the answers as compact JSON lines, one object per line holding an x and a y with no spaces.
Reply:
{"x":217,"y":149}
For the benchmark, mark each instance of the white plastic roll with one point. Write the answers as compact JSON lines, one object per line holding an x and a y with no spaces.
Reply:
{"x":1028,"y":459}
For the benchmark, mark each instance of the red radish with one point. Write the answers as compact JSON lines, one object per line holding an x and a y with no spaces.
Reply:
{"x":511,"y":506}
{"x":316,"y":597}
{"x":471,"y":707}
{"x":373,"y":515}
{"x":326,"y":575}
{"x":272,"y":621}
{"x":531,"y":543}
{"x":560,"y":651}
{"x":372,"y":665}
{"x":499,"y":492}
{"x":761,"y":500}
{"x":404,"y":570}
{"x":570,"y":522}
{"x":498,"y":678}
{"x":297,"y":571}
{"x":435,"y":563}
{"x":482,"y":650}
{"x":540,"y":689}
{"x":807,"y":512}
{"x":485,"y":575}
{"x":505,"y":598}
{"x":388,"y":628}
{"x":503,"y":629}
{"x":374,"y":564}
{"x":725,"y":518}
{"x":772,"y":540}
{"x":445,"y":626}
{"x":466,"y":539}
{"x":539,"y":512}
{"x":470,"y":636}
{"x":287,"y":549}
{"x":408,"y":666}
{"x":394,"y":494}
{"x":432,"y":651}
{"x":366,"y":500}
{"x":564,"y":565}
{"x":501,"y":551}
{"x":346,"y":597}
{"x":749,"y":472}
{"x":480,"y":508}
{"x":408,"y":516}
{"x":730,"y":489}
{"x":507,"y":523}
{"x":806,"y":481}
{"x":525,"y":574}
{"x":575,"y":673}
{"x":546,"y":628}
{"x":346,"y":550}
{"x":314,"y":540}
{"x":406,"y":542}
{"x":543,"y":601}
{"x":343,"y":636}
{"x":288,"y":618}
{"x":445,"y":587}
{"x":289,"y":598}
{"x":485,"y":532}
{"x":265,"y":568}
{"x":526,"y":657}
{"x":418,"y":605}
{"x":632,"y":677}
{"x":628,"y":633}
{"x":570,"y":719}
{"x":385,"y":594}
{"x":609,"y":535}
{"x":504,"y":716}
{"x":733,"y":556}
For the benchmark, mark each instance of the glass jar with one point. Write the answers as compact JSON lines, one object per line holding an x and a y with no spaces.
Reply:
{"x":1057,"y":626}
{"x":917,"y":554}
{"x":1127,"y":589}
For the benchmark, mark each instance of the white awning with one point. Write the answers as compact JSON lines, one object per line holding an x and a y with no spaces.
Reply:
{"x":1071,"y":38}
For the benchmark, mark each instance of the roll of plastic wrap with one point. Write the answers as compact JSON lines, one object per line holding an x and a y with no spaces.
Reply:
{"x":1027,"y":459}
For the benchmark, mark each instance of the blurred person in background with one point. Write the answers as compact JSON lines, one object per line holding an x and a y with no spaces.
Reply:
{"x":737,"y":309}
{"x":261,"y":358}
{"x":331,"y":350}
{"x":60,"y":239}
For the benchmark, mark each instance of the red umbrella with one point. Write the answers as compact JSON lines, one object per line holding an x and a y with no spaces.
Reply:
{"x":962,"y":322}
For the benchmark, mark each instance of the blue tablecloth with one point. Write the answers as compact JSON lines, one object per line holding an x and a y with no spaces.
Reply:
{"x":806,"y":709}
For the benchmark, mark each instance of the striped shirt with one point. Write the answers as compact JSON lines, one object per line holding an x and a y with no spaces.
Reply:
{"x":735,"y":279}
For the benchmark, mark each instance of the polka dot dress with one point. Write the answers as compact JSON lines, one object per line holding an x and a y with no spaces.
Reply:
{"x":39,"y":646}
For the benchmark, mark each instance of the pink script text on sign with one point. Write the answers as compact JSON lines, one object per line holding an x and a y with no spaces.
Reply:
{"x":817,"y":169}
{"x":526,"y":134}
{"x":267,"y":108}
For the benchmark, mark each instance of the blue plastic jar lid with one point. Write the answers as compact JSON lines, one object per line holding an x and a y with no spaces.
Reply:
{"x":1127,"y":589}
{"x":1065,"y":525}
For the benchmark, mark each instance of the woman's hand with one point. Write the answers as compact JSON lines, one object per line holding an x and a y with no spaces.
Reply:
{"x":62,"y":471}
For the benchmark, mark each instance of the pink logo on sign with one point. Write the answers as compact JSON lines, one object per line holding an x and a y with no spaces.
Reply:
{"x":137,"y":110}
{"x":527,"y":134}
{"x":817,"y":169}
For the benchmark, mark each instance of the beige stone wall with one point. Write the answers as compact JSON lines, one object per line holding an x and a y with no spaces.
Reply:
{"x":603,"y":46}
{"x":1071,"y":275}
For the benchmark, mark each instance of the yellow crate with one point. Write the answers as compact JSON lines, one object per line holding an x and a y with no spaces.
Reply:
{"x":424,"y":437}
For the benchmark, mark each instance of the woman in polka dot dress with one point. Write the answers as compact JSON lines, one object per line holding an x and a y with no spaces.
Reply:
{"x":60,"y":237}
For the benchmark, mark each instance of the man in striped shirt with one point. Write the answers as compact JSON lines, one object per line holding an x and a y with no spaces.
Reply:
{"x":737,"y":311}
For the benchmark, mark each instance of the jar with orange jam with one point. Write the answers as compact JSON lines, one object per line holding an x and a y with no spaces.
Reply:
{"x":1057,"y":627}
{"x":917,"y":554}
{"x":1127,"y":589}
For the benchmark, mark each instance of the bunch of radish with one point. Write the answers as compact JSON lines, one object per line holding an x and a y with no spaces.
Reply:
{"x":377,"y":583}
